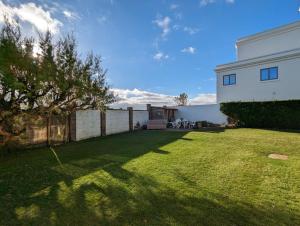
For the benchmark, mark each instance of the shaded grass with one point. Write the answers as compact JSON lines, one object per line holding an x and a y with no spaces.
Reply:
{"x":156,"y":178}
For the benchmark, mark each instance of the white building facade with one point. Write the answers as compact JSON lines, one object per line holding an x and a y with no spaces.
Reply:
{"x":267,"y":67}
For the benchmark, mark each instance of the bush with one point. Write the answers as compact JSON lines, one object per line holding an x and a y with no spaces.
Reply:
{"x":273,"y":114}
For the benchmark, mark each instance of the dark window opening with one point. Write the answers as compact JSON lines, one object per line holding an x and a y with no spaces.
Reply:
{"x":229,"y":80}
{"x":269,"y":74}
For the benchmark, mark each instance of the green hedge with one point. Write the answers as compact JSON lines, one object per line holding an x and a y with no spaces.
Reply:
{"x":273,"y":114}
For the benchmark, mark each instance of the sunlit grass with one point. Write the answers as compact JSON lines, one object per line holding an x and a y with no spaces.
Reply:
{"x":156,"y":178}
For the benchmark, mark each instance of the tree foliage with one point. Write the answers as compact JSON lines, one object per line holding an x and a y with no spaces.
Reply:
{"x":181,"y":100}
{"x":54,"y":81}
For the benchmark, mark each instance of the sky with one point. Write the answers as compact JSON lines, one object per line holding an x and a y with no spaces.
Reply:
{"x":155,"y":49}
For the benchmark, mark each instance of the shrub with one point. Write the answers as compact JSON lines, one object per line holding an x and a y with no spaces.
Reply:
{"x":272,"y":114}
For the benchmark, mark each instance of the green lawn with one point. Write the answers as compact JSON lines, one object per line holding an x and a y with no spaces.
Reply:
{"x":156,"y":178}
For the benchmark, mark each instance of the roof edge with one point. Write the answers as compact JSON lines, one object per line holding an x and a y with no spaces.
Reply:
{"x":274,"y":31}
{"x":262,"y":59}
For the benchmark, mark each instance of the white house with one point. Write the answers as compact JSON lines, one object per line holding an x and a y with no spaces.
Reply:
{"x":267,"y":67}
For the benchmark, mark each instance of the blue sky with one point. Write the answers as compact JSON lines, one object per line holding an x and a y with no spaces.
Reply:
{"x":153,"y":49}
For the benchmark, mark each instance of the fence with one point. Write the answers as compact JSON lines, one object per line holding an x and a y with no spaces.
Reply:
{"x":117,"y":121}
{"x":92,"y":123}
{"x":85,"y":124}
{"x":42,"y":130}
{"x":81,"y":125}
{"x":140,"y":117}
{"x":210,"y":113}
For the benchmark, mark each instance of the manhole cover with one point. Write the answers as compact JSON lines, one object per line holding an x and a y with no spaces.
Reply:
{"x":278,"y":156}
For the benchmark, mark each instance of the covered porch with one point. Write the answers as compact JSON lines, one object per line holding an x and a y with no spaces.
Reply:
{"x":160,"y":116}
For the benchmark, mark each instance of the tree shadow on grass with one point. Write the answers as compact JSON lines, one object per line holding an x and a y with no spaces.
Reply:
{"x":211,"y":130}
{"x":140,"y":200}
{"x":93,"y":188}
{"x":36,"y":170}
{"x":160,"y":151}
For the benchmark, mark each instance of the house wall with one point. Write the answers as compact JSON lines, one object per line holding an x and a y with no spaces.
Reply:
{"x":117,"y":121}
{"x":248,"y":86}
{"x":210,"y":113}
{"x":273,"y":41}
{"x":140,"y":116}
{"x":88,"y":124}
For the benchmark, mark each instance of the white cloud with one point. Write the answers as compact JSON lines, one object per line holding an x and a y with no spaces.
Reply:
{"x":206,"y":2}
{"x":230,"y":1}
{"x":160,"y":56}
{"x":6,"y":11}
{"x":67,"y":14}
{"x":203,"y":98}
{"x":36,"y":49}
{"x":70,"y":15}
{"x":299,"y":10}
{"x":32,"y":14}
{"x":164,"y":24}
{"x":174,"y":6}
{"x":191,"y":30}
{"x":190,"y":50}
{"x":139,"y":98}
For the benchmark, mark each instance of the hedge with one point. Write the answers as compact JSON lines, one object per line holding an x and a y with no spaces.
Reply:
{"x":273,"y":114}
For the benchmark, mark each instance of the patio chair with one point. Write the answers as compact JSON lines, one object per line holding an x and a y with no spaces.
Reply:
{"x":185,"y":124}
{"x":192,"y":125}
{"x":177,"y":123}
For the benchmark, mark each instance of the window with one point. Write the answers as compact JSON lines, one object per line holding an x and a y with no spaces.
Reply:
{"x":269,"y":74}
{"x":229,"y":80}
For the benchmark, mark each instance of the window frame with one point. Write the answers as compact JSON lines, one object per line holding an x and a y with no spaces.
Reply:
{"x":269,"y":77}
{"x":230,"y":83}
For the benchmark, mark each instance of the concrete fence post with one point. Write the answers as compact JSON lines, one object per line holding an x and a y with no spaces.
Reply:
{"x":130,"y":113}
{"x":73,"y":126}
{"x":149,"y":110}
{"x":103,"y":123}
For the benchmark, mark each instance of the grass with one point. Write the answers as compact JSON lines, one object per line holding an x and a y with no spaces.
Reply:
{"x":156,"y":178}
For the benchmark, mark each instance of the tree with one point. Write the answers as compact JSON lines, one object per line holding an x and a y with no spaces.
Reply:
{"x":181,"y":100}
{"x":55,"y":81}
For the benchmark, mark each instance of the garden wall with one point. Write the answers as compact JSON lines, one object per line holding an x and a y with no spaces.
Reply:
{"x":88,"y":124}
{"x":140,"y":116}
{"x":117,"y":121}
{"x":92,"y":123}
{"x":79,"y":126}
{"x":210,"y":113}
